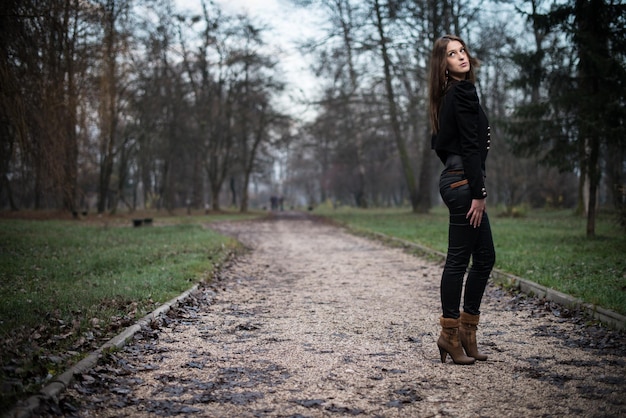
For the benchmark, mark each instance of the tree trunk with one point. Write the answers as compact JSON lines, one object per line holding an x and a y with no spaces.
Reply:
{"x":425,"y":178}
{"x":216,"y":188}
{"x":244,"y":193}
{"x":594,"y":180}
{"x":361,"y":191}
{"x":108,"y":116}
{"x":407,"y":168}
{"x":233,"y":194}
{"x":258,"y":138}
{"x":592,"y":42}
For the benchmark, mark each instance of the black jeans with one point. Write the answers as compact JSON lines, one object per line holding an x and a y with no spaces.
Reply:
{"x":464,"y":241}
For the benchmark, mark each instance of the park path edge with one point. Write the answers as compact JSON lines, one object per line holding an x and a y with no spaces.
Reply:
{"x":58,"y":384}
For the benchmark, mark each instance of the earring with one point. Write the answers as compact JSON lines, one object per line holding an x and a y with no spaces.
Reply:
{"x":447,"y":75}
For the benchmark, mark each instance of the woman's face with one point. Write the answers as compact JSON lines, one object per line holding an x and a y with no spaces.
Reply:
{"x":458,"y":64}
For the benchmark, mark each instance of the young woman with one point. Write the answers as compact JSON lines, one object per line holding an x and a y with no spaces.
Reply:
{"x":461,"y":139}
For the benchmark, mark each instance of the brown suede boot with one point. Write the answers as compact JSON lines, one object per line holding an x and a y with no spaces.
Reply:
{"x":449,"y":343}
{"x":467,"y":332}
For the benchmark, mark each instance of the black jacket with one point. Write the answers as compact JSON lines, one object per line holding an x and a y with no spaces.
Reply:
{"x":464,"y":130}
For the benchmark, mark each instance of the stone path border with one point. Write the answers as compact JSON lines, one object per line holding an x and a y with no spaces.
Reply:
{"x":59,"y":383}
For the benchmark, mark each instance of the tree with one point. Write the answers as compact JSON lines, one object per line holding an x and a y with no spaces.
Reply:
{"x":339,"y":56}
{"x":580,"y":111}
{"x":255,"y":115}
{"x":409,"y":173}
{"x":596,"y":23}
{"x":111,"y":13}
{"x":41,"y":66}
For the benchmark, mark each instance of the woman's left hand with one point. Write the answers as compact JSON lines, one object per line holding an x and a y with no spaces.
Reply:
{"x":475,"y":214}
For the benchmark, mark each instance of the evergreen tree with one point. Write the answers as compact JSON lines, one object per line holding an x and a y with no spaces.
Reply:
{"x":574,"y":112}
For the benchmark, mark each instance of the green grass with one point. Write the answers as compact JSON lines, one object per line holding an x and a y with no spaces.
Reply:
{"x":68,"y":286}
{"x":547,"y":247}
{"x":59,"y":267}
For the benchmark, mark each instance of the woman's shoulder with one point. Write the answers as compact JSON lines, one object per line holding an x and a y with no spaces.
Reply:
{"x":462,"y":87}
{"x":464,"y":91}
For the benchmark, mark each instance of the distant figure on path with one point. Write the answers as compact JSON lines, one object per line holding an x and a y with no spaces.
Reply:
{"x":461,"y":139}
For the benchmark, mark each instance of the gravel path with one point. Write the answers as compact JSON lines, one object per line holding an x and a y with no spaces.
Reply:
{"x":317,"y":322}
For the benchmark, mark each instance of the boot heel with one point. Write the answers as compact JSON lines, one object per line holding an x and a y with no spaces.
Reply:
{"x":443,"y":353}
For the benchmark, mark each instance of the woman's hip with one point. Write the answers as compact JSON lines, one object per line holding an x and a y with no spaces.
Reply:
{"x":455,"y":192}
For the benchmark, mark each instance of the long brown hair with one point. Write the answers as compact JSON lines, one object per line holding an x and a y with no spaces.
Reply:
{"x":438,"y":79}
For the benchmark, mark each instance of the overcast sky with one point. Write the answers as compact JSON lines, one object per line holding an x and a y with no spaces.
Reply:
{"x":286,"y":24}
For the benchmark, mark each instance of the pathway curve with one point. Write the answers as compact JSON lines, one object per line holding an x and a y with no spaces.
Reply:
{"x":317,"y":322}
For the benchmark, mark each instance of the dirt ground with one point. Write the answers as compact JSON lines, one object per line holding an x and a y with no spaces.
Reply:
{"x":316,"y":322}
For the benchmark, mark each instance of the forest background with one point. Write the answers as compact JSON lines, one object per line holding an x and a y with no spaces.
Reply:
{"x":110,"y":105}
